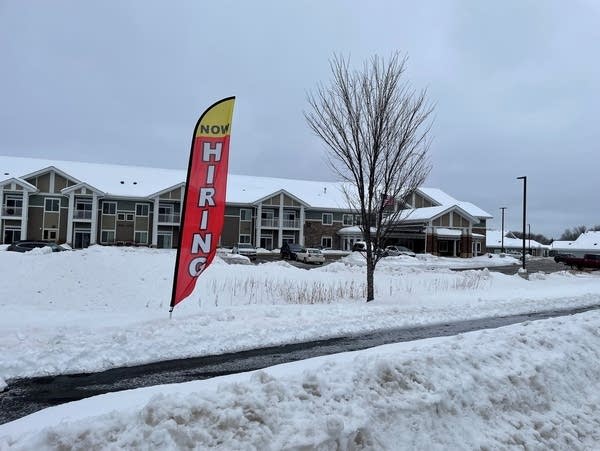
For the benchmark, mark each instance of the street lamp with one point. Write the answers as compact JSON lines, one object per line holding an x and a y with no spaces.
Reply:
{"x":524,"y":178}
{"x":529,"y":237}
{"x":502,"y":247}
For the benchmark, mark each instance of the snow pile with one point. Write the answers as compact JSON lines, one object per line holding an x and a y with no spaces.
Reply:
{"x":70,"y":312}
{"x":508,"y":388}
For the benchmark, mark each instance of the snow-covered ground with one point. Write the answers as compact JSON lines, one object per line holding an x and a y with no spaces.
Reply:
{"x":104,"y":307}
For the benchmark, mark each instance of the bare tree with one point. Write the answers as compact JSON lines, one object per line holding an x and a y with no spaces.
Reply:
{"x":376,"y":128}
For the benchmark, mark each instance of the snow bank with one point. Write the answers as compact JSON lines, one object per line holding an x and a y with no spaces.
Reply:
{"x":532,"y":386}
{"x":70,"y":312}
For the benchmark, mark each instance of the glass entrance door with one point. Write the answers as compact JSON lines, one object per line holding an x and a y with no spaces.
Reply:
{"x":11,"y":235}
{"x":81,"y":239}
{"x":164,"y":240}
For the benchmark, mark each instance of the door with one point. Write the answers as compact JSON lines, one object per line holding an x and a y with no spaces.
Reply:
{"x":11,"y":235}
{"x":81,"y":239}
{"x":164,"y":240}
{"x":266,"y":242}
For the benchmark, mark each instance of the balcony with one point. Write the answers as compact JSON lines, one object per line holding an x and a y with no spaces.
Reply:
{"x":291,"y":223}
{"x":270,"y":223}
{"x":12,"y":211}
{"x":173,"y":218}
{"x":273,"y":223}
{"x":82,"y":214}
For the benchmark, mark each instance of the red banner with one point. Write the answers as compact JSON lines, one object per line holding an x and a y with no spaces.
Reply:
{"x":204,"y":202}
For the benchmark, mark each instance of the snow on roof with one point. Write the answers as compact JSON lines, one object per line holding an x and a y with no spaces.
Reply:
{"x":438,"y":196}
{"x":493,"y":238}
{"x":586,"y":241}
{"x":440,"y":231}
{"x":422,"y":214}
{"x":142,"y":181}
{"x":444,"y":198}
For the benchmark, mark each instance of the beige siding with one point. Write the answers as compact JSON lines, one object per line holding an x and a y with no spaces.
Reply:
{"x":172,"y":195}
{"x":43,"y":182}
{"x":108,"y":222}
{"x":51,"y":220}
{"x":141,"y":223}
{"x":59,"y":183}
{"x":289,"y":202}
{"x":421,"y":202}
{"x":272,"y":200}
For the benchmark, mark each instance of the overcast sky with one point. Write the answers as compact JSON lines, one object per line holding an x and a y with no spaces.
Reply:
{"x":516,"y":84}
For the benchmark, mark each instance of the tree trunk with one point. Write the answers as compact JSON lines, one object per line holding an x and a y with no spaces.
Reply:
{"x":370,"y":285}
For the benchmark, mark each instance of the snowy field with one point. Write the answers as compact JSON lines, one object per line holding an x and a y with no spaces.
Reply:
{"x":514,"y":387}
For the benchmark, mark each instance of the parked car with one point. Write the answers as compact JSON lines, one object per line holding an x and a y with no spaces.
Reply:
{"x":27,"y":245}
{"x":559,"y":258}
{"x":591,"y":261}
{"x":290,"y":251}
{"x":245,"y":249}
{"x":311,"y":255}
{"x":395,"y":251}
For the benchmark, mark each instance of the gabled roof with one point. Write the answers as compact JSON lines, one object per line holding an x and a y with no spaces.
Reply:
{"x":440,"y":197}
{"x":281,"y":191}
{"x":431,"y":213}
{"x":587,"y":241}
{"x":18,"y":181}
{"x":80,"y":185}
{"x":493,"y":239}
{"x":51,"y":168}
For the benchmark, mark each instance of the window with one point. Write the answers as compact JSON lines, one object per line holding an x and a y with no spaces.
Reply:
{"x":327,"y":219}
{"x":125,"y":216}
{"x":83,"y":205}
{"x":141,"y":237}
{"x":52,"y":205}
{"x":443,"y":246}
{"x":245,"y":214}
{"x":326,"y":241}
{"x":357,"y":219}
{"x":50,"y":234}
{"x":107,"y":236}
{"x":348,"y":220}
{"x":12,"y":201}
{"x":288,"y":238}
{"x":141,"y":209}
{"x":478,"y":246}
{"x":109,"y":208}
{"x":245,"y":238}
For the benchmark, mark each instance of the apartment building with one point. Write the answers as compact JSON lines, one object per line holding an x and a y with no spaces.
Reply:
{"x":87,"y":203}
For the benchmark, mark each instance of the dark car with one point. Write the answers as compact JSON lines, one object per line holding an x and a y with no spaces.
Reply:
{"x":290,"y":250}
{"x":26,"y":245}
{"x":558,"y":258}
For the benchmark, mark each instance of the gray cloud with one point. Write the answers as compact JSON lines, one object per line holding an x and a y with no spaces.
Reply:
{"x":516,"y":86}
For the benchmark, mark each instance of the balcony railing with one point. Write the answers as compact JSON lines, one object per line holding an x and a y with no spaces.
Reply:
{"x":82,"y":214}
{"x":12,"y":211}
{"x":270,"y":222}
{"x":286,"y":223}
{"x":169,"y":218}
{"x":291,"y":223}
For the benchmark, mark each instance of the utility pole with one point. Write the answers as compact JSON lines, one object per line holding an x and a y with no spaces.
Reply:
{"x":524,"y":178}
{"x":502,"y":247}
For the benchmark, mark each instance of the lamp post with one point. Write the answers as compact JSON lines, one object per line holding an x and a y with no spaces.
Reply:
{"x":529,"y":237}
{"x":502,"y":247}
{"x":524,"y":178}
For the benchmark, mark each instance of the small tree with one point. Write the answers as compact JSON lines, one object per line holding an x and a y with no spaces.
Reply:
{"x":376,"y":128}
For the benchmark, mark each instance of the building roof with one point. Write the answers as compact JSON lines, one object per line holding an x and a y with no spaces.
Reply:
{"x":493,"y":239}
{"x":142,"y":181}
{"x":442,"y":198}
{"x":587,"y":241}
